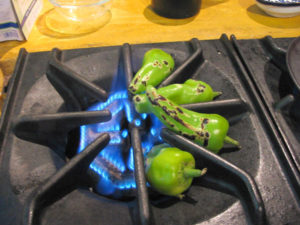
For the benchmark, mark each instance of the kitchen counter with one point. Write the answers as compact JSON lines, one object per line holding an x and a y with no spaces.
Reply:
{"x":132,"y":21}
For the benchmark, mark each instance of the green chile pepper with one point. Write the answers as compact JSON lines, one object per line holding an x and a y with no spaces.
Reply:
{"x":170,"y":171}
{"x":157,"y":65}
{"x":208,"y":130}
{"x":191,"y":91}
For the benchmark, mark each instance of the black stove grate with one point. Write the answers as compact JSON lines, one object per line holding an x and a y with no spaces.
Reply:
{"x":64,"y":188}
{"x":280,"y":97}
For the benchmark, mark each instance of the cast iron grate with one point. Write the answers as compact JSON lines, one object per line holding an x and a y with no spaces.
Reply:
{"x":65,"y":189}
{"x":78,"y":95}
{"x":280,"y":93}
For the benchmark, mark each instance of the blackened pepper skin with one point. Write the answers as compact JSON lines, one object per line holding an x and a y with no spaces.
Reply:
{"x":208,"y":130}
{"x":157,"y":66}
{"x":191,"y":91}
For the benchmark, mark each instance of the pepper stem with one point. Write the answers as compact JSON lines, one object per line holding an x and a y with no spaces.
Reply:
{"x":216,"y":93}
{"x":190,"y":173}
{"x":229,"y":140}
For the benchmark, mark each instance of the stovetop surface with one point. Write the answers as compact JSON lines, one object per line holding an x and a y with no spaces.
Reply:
{"x":25,"y":166}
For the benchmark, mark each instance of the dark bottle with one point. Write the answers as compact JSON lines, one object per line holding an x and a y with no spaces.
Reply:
{"x":176,"y":9}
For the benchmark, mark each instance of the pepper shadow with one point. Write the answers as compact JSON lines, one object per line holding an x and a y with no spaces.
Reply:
{"x":6,"y":46}
{"x":155,"y":18}
{"x":7,"y":65}
{"x":163,"y":201}
{"x":259,"y":16}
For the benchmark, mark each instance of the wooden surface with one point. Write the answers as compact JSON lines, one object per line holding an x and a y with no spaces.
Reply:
{"x":132,"y":21}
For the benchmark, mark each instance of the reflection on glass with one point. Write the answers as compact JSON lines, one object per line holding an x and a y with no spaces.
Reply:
{"x":78,"y":16}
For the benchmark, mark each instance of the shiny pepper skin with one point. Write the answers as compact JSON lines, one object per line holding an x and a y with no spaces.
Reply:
{"x":191,"y":91}
{"x":157,"y":65}
{"x":170,"y":171}
{"x":208,"y":130}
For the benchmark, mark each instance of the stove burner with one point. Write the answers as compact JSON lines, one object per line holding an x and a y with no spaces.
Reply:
{"x":61,"y":77}
{"x":114,"y":166}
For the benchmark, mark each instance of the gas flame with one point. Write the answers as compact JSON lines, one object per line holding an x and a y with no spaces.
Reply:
{"x":115,"y":163}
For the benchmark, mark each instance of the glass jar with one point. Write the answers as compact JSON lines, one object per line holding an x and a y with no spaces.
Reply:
{"x":78,"y":16}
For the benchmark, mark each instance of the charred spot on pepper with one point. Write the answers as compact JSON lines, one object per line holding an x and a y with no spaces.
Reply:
{"x":163,"y":117}
{"x":137,"y":99}
{"x":165,"y":62}
{"x":185,"y":135}
{"x":135,"y":81}
{"x":146,"y":78}
{"x":201,"y":133}
{"x":170,"y":124}
{"x":173,"y":112}
{"x":144,"y":83}
{"x":178,"y":120}
{"x":153,"y":101}
{"x":171,"y":104}
{"x":204,"y":122}
{"x":167,"y":111}
{"x":179,"y":110}
{"x":206,"y":134}
{"x":162,"y":98}
{"x":155,"y":63}
{"x":199,"y":90}
{"x":192,"y":137}
{"x":205,"y":143}
{"x":132,"y":88}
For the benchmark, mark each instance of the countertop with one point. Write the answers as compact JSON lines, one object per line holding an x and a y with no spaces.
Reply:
{"x":134,"y":22}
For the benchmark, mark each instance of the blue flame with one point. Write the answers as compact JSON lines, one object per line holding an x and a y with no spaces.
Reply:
{"x":124,"y":133}
{"x":155,"y":129}
{"x":130,"y":161}
{"x":144,"y":116}
{"x":129,"y":111}
{"x":137,"y":122}
{"x":114,"y":165}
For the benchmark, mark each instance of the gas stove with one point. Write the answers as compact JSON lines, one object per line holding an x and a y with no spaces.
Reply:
{"x":46,"y":179}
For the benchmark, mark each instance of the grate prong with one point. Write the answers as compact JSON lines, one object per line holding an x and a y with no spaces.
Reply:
{"x":52,"y":129}
{"x":67,"y":179}
{"x":77,"y":92}
{"x":223,"y":176}
{"x":140,"y":179}
{"x":187,"y":66}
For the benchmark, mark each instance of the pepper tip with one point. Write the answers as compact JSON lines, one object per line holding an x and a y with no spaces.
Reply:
{"x":180,"y":196}
{"x":230,"y":140}
{"x":204,"y":171}
{"x":217,"y":93}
